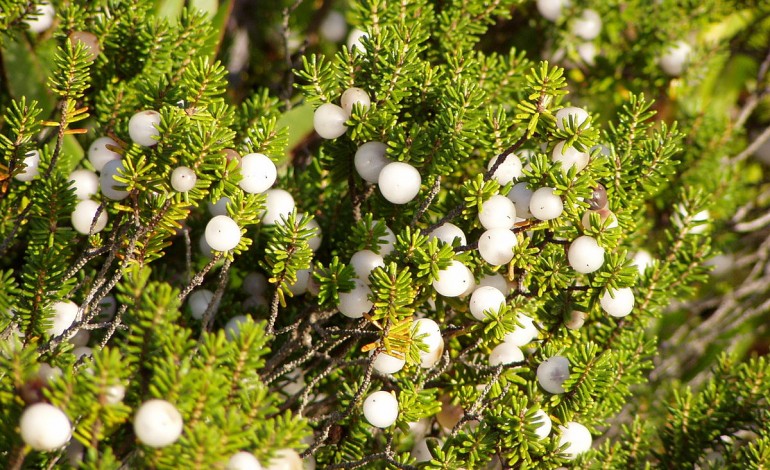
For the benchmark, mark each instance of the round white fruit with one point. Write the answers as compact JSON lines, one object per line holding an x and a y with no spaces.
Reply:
{"x":64,"y":315}
{"x":399,"y":182}
{"x":387,"y":243}
{"x":384,"y":363}
{"x":279,"y":205}
{"x":43,"y":18}
{"x":255,"y":283}
{"x":354,"y":40}
{"x":286,"y":459}
{"x":45,"y":427}
{"x":545,"y":424}
{"x":381,"y":409}
{"x":364,"y":262}
{"x":32,"y":169}
{"x":243,"y":461}
{"x":432,"y":339}
{"x":618,"y":303}
{"x":495,"y":280}
{"x":585,"y":255}
{"x":333,"y":27}
{"x":183,"y":179}
{"x":508,"y":171}
{"x":521,"y":195}
{"x":486,"y":298}
{"x":99,"y":154}
{"x":83,"y":217}
{"x":552,"y":373}
{"x":675,"y":58}
{"x":353,"y":96}
{"x":448,"y":233}
{"x":551,"y":9}
{"x":576,"y":320}
{"x":454,"y":280}
{"x":303,"y":282}
{"x":570,"y":157}
{"x":505,"y":353}
{"x":370,"y":159}
{"x":111,"y":188}
{"x":329,"y":121}
{"x":563,"y":116}
{"x":199,"y":301}
{"x":545,"y":205}
{"x":157,"y":423}
{"x":587,"y":52}
{"x":496,"y":246}
{"x":524,"y":334}
{"x":314,"y":242}
{"x":219,"y":207}
{"x":497,"y":212}
{"x":576,"y":437}
{"x":143,"y":127}
{"x":588,"y":25}
{"x":642,"y":259}
{"x":222,"y":233}
{"x":233,"y":326}
{"x":355,"y":303}
{"x":258,"y":172}
{"x":85,"y":182}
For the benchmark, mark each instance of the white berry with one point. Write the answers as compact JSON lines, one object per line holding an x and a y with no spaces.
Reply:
{"x":587,"y":52}
{"x":552,"y":373}
{"x":64,"y":315}
{"x":355,"y":303}
{"x":454,"y":280}
{"x":364,"y":262}
{"x":588,"y":25}
{"x":505,"y":353}
{"x":254,"y":283}
{"x":642,"y":259}
{"x":551,"y":9}
{"x":495,"y":280}
{"x":302,"y":284}
{"x":353,"y":96}
{"x":329,"y":121}
{"x":354,"y":40}
{"x":381,"y":409}
{"x":497,"y":212}
{"x":675,"y":58}
{"x":111,"y":188}
{"x":286,"y":459}
{"x":219,"y":207}
{"x":314,"y":242}
{"x":569,"y":157}
{"x":84,"y":214}
{"x":32,"y":169}
{"x":99,"y":154}
{"x":258,"y":172}
{"x":578,"y":115}
{"x":233,"y":326}
{"x":496,"y":246}
{"x":279,"y":205}
{"x":521,"y":195}
{"x":585,"y":255}
{"x":576,"y":320}
{"x":576,"y":437}
{"x":183,"y":179}
{"x":243,"y":461}
{"x":85,"y":182}
{"x":618,"y":303}
{"x":45,"y":427}
{"x":432,"y":339}
{"x":545,"y":205}
{"x":524,"y":334}
{"x":508,"y":171}
{"x":448,"y":233}
{"x":143,"y":128}
{"x":387,"y":243}
{"x":384,"y":363}
{"x":199,"y":302}
{"x":157,"y":423}
{"x":486,"y":298}
{"x":544,"y":424}
{"x":399,"y":182}
{"x":222,"y":233}
{"x":370,"y":159}
{"x":43,"y":19}
{"x":333,"y":27}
